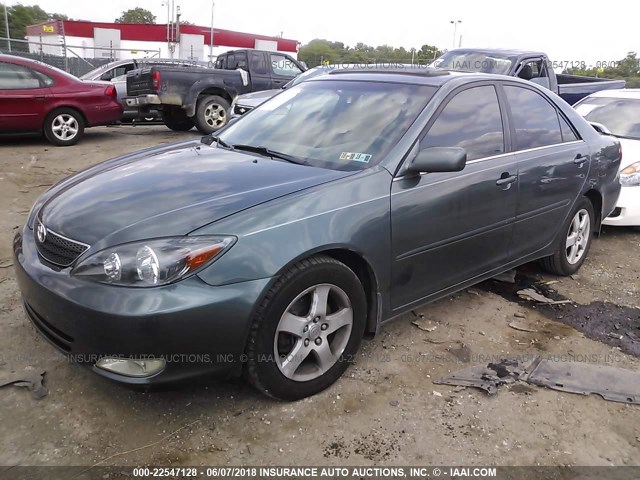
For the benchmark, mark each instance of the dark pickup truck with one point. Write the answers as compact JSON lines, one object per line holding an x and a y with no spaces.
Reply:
{"x":533,"y":66}
{"x":193,"y":96}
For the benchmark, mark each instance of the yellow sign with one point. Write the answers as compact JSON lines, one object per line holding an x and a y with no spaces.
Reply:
{"x":48,"y":28}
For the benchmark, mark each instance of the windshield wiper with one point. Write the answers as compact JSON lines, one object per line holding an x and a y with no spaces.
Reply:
{"x":210,"y":139}
{"x":260,"y":150}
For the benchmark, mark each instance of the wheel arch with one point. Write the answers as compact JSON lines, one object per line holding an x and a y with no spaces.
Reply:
{"x":595,"y":197}
{"x":191,"y":106}
{"x":357,"y":262}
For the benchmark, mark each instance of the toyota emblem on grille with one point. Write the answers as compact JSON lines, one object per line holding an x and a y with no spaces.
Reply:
{"x":41,"y":231}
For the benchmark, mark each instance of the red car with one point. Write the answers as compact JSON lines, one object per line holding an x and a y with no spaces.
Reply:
{"x":35,"y":97}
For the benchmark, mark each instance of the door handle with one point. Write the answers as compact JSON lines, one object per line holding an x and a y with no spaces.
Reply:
{"x":506,"y":179}
{"x":40,"y":97}
{"x":580,"y":159}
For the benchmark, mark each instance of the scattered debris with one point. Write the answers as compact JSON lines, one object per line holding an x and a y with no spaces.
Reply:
{"x":436,"y":394}
{"x":507,"y":277}
{"x":30,"y":380}
{"x":522,"y":328}
{"x":424,"y":324}
{"x":7,"y":265}
{"x":611,"y":383}
{"x":633,"y":337}
{"x":552,"y":282}
{"x":519,"y":315}
{"x":617,"y":336}
{"x":532,"y":295}
{"x":394,"y":403}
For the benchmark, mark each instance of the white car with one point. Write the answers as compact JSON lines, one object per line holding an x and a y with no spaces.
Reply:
{"x":617,"y":113}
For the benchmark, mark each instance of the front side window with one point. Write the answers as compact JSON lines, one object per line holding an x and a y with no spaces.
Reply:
{"x":281,"y":65}
{"x":17,"y":77}
{"x":534,"y":118}
{"x":337,"y":124}
{"x":471,"y":120}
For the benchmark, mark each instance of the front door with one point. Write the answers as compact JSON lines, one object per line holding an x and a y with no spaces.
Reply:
{"x":23,"y":98}
{"x":448,"y":228}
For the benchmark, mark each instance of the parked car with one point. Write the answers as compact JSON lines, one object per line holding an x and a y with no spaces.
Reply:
{"x":617,"y":113}
{"x":189,"y":97}
{"x":248,"y":101}
{"x":337,"y":205}
{"x":533,"y":66}
{"x":116,"y":73}
{"x":36,"y":97}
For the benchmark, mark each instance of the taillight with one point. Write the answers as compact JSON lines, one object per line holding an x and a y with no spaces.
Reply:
{"x":156,"y":80}
{"x":110,"y":91}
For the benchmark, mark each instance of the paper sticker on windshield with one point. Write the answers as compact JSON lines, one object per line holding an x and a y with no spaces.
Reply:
{"x":356,"y":157}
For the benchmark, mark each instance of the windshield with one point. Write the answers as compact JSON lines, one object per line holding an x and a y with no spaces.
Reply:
{"x":475,"y":61}
{"x":621,"y":116}
{"x":342,"y":125}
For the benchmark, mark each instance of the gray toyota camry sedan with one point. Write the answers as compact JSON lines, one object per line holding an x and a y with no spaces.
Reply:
{"x":272,"y":248}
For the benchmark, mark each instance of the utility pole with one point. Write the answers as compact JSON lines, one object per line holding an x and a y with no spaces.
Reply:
{"x":455,"y":30}
{"x":213,"y":4}
{"x":6,"y":24}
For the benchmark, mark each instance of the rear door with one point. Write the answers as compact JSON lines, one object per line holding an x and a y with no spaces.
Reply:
{"x":282,"y":70}
{"x":553,"y":165}
{"x":23,"y":98}
{"x":448,"y":228}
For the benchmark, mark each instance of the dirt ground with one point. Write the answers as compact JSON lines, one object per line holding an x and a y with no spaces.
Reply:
{"x":385,"y":410}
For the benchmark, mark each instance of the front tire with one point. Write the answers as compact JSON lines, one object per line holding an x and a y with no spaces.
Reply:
{"x":575,"y":241}
{"x":211,"y":114}
{"x":64,"y":127}
{"x":307,"y":329}
{"x":176,"y":119}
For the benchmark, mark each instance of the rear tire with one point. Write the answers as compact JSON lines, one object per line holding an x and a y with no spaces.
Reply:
{"x":64,"y":127}
{"x":176,"y":119}
{"x":307,"y":329}
{"x":211,"y":114}
{"x":574,"y":242}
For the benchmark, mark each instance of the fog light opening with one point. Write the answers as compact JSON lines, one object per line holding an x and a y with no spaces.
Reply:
{"x":131,"y":367}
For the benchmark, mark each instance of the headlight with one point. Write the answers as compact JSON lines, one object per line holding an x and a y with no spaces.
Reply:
{"x":630,"y":176}
{"x":154,"y":262}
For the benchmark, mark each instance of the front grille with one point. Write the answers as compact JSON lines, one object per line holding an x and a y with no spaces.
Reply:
{"x":616,"y":212}
{"x":57,"y":249}
{"x":241,"y":110}
{"x":51,"y":333}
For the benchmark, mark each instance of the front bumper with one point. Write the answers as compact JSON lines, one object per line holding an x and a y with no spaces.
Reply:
{"x":627,"y":212}
{"x":197,"y":328}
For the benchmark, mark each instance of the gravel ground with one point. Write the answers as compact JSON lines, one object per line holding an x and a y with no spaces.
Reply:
{"x":385,"y":410}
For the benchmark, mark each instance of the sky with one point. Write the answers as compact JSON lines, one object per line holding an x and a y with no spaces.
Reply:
{"x":568,"y":31}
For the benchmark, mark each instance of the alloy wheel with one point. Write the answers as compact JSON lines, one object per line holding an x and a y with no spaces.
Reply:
{"x":313,"y":332}
{"x":65,"y":127}
{"x":578,"y":236}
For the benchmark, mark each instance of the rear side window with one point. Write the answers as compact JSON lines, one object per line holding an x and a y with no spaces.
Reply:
{"x":535,"y":120}
{"x":471,"y":120}
{"x":17,"y":77}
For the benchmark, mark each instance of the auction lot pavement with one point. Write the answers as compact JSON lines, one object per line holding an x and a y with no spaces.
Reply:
{"x":384,"y":411}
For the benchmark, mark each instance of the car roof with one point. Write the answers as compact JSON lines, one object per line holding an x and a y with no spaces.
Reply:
{"x":416,"y":74}
{"x":512,"y":52}
{"x":16,"y":59}
{"x":617,"y":93}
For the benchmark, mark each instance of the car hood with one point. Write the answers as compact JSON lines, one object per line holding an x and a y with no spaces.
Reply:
{"x":630,"y":152}
{"x":169,"y":191}
{"x":254,"y":99}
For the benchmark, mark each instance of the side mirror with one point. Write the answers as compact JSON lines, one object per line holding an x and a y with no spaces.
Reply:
{"x":107,"y":76}
{"x":439,"y":159}
{"x":600,"y":128}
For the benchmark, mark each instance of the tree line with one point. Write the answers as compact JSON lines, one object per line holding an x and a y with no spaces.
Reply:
{"x":626,"y":69}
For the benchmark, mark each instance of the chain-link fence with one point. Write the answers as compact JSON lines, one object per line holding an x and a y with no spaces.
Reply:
{"x":74,"y":59}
